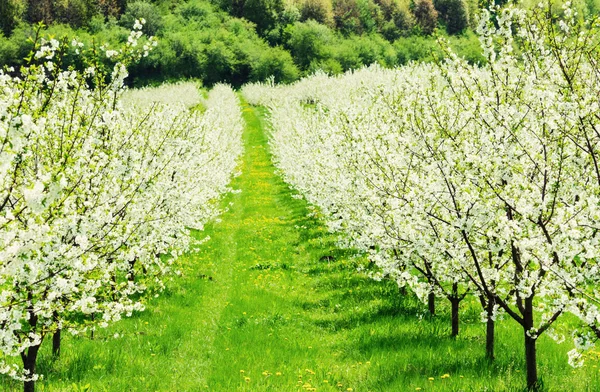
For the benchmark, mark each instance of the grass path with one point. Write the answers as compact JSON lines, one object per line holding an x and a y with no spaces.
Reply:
{"x":270,"y":304}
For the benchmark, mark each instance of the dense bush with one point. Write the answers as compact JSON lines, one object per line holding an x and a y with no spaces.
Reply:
{"x":426,"y":15}
{"x":143,"y":10}
{"x":308,"y":42}
{"x":454,"y":14}
{"x":263,"y":13}
{"x":10,"y":13}
{"x":317,"y":10}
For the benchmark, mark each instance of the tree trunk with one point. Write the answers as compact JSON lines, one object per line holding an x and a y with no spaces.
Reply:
{"x":431,"y":303}
{"x":455,"y":302}
{"x":530,"y":348}
{"x":490,"y":327}
{"x":29,"y":361}
{"x":92,"y":329}
{"x":56,"y":343}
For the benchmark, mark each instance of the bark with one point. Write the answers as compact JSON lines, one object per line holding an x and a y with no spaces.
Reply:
{"x":29,"y":361}
{"x":92,"y":330}
{"x":29,"y":357}
{"x":431,"y":303}
{"x":455,"y":302}
{"x":530,"y":347}
{"x":56,"y":343}
{"x":490,"y":327}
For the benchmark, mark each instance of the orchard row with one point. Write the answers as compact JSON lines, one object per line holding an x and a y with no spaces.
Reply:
{"x":461,"y":180}
{"x":97,"y":198}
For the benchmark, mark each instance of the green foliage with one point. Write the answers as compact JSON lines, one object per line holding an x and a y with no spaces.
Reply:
{"x":8,"y":51}
{"x":467,"y":45}
{"x":111,"y":7}
{"x":346,"y":15}
{"x":263,"y":13}
{"x":200,"y":43}
{"x":15,"y":48}
{"x":370,"y":15}
{"x":40,"y":11}
{"x":329,"y":65}
{"x":290,"y":15}
{"x":308,"y":42}
{"x":143,"y":10}
{"x":454,"y":14}
{"x":11,"y":12}
{"x":317,"y":10}
{"x":425,"y":15}
{"x":416,"y":48}
{"x":276,"y":63}
{"x":197,"y":40}
{"x":76,"y":13}
{"x":400,"y":22}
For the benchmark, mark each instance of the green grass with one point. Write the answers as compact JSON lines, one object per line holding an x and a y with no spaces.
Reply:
{"x":262,"y":308}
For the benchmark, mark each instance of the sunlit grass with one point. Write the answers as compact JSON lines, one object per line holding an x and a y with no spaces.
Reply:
{"x":270,"y":304}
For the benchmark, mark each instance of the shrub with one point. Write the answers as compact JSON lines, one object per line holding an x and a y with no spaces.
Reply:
{"x":290,"y":15}
{"x":416,"y":48}
{"x":76,"y":13}
{"x":317,"y":10}
{"x":39,"y":11}
{"x":454,"y":14}
{"x":218,"y":62}
{"x":370,"y":15}
{"x":400,"y":24}
{"x":468,"y":46}
{"x":194,"y":10}
{"x":346,"y":16}
{"x":308,"y":42}
{"x":347,"y":55}
{"x":112,"y":8}
{"x":273,"y":62}
{"x":425,"y":15}
{"x":263,"y":13}
{"x":8,"y":51}
{"x":11,"y":11}
{"x":330,"y":66}
{"x":143,"y":10}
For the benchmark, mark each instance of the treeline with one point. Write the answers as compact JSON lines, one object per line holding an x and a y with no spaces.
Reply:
{"x":237,"y":41}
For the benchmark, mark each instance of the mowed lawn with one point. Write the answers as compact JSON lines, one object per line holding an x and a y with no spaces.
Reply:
{"x":270,"y":304}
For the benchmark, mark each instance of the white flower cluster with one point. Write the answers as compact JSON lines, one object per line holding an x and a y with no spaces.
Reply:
{"x":459,"y":179}
{"x":97,"y":200}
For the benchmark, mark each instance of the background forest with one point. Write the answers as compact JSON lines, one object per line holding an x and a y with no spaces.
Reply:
{"x":237,"y":41}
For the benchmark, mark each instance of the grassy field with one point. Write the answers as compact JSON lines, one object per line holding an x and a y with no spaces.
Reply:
{"x":270,"y":304}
